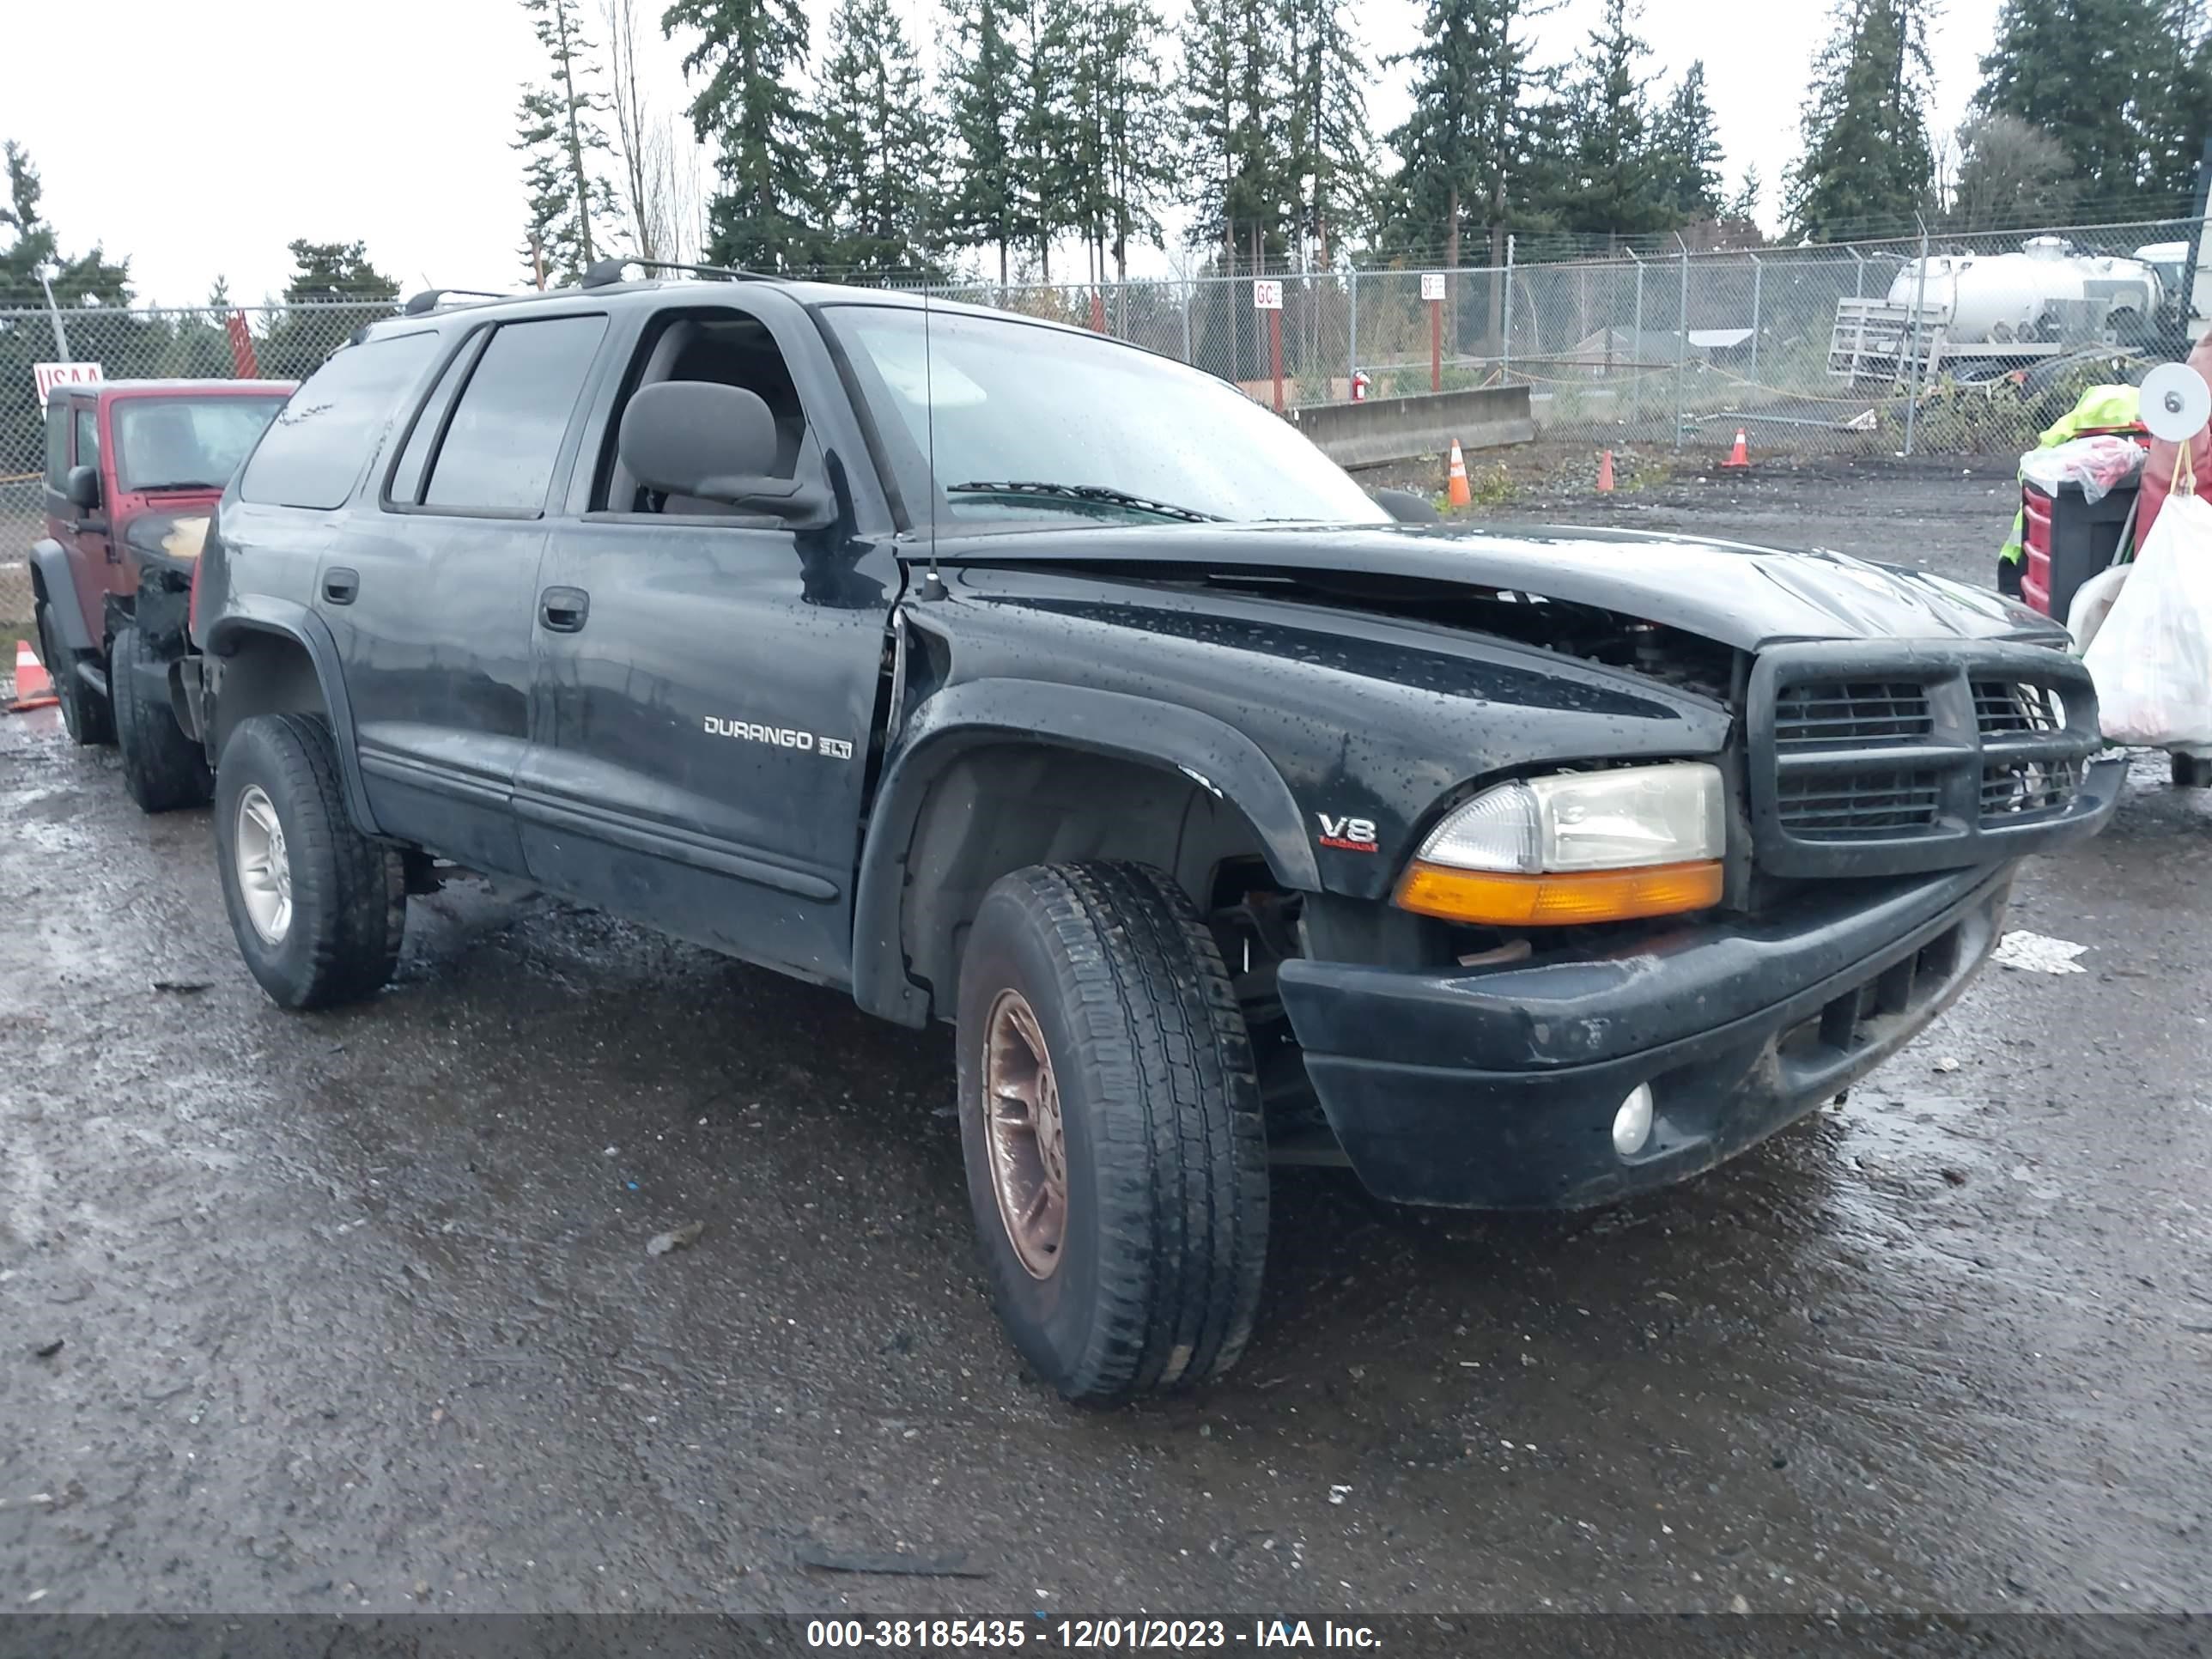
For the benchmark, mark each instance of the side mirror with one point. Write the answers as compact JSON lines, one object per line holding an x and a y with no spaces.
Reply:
{"x":715,"y":443}
{"x":1407,"y":507}
{"x":82,"y":488}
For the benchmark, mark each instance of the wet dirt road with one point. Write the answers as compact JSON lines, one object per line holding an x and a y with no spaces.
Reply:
{"x":356,"y":1309}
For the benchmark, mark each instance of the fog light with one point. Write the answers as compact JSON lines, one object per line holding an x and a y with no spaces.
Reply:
{"x":1631,"y":1124}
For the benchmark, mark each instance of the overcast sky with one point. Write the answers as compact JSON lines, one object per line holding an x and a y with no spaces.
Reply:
{"x":235,"y":126}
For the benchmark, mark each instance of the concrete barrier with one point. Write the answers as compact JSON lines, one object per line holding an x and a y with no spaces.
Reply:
{"x":1386,"y":429}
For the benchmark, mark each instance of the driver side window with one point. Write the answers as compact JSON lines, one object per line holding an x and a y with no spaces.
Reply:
{"x":718,"y":345}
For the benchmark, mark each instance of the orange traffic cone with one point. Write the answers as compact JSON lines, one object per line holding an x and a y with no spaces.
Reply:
{"x":1455,"y":489}
{"x":1738,"y":457}
{"x":1605,"y":473}
{"x":34,"y":687}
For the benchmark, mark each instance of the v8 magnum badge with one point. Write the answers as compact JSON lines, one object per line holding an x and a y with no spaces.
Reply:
{"x":779,"y":737}
{"x":1346,"y":834}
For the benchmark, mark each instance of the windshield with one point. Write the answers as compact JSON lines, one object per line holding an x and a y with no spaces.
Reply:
{"x":1037,"y":425}
{"x":185,"y":443}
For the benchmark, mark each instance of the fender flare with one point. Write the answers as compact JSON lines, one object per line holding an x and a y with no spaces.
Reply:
{"x":986,"y":713}
{"x":288,"y":620}
{"x":51,"y":560}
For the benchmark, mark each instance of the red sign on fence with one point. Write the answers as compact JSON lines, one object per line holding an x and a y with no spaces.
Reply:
{"x":50,"y":375}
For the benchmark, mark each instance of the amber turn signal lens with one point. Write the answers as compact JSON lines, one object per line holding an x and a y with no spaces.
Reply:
{"x":1498,"y":899}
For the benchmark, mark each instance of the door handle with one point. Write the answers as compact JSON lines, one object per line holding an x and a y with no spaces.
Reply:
{"x":341,"y":585}
{"x":562,"y":609}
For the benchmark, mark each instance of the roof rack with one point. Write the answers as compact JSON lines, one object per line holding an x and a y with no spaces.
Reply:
{"x":604,"y":273}
{"x":434,"y":299}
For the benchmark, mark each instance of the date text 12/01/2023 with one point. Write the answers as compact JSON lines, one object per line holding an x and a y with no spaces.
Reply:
{"x":1086,"y":1633}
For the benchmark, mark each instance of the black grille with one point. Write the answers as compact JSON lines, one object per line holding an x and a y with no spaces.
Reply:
{"x":2028,"y":787}
{"x":1853,"y":714}
{"x":1860,"y":805}
{"x":1886,"y":757}
{"x":2000,"y":707}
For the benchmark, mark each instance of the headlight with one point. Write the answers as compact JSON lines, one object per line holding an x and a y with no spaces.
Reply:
{"x":1643,"y":840}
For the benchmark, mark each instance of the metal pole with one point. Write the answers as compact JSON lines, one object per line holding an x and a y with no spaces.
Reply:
{"x":1351,"y":350}
{"x":1919,"y":297}
{"x":1636,"y":349}
{"x":1189,"y":299}
{"x":1682,"y":343}
{"x":61,"y":334}
{"x":1505,"y":365}
{"x":1757,"y":277}
{"x":1858,"y":275}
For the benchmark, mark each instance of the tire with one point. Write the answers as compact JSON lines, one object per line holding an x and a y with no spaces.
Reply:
{"x":1164,"y":1228}
{"x":163,"y":768}
{"x":2189,"y":771}
{"x":336,"y":940}
{"x":85,"y":714}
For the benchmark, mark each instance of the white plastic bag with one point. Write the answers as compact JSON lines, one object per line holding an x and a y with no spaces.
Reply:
{"x":2099,"y":465}
{"x":2152,"y":659}
{"x":2093,"y":603}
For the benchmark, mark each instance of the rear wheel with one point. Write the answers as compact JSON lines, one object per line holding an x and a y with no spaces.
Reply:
{"x":318,"y":907}
{"x":162,"y":767}
{"x":84,"y":712}
{"x":2190,"y":771}
{"x":1110,"y":1120}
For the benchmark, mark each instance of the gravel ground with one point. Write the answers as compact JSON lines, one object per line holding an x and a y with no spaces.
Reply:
{"x":355,"y":1310}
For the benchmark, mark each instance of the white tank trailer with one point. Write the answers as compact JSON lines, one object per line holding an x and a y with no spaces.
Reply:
{"x":2045,"y":292}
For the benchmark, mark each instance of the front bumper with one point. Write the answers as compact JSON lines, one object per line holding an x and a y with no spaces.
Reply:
{"x":1496,"y":1089}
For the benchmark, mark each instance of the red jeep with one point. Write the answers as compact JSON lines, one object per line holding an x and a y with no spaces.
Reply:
{"x":133,"y":468}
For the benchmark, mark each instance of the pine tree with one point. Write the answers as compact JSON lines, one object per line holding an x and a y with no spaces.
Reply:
{"x":331,"y":273}
{"x":1046,"y":132}
{"x":880,"y":145}
{"x":1468,"y":149}
{"x":1686,"y":150}
{"x":2108,"y":105}
{"x":1333,"y":146}
{"x":982,"y":95}
{"x":1115,"y":162}
{"x":1239,"y":163}
{"x":1616,"y":186}
{"x":751,"y":55}
{"x":1743,"y":206}
{"x":563,"y":145}
{"x":89,"y":276}
{"x":1867,"y":162}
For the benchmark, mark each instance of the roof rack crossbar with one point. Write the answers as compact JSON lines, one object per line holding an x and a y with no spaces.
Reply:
{"x":434,"y":299}
{"x":604,"y":273}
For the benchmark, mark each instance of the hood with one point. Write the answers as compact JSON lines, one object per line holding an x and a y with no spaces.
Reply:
{"x":173,"y":535}
{"x":1740,"y":596}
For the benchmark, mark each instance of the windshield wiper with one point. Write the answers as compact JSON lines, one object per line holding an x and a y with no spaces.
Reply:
{"x":176,"y":484}
{"x":1105,"y":494}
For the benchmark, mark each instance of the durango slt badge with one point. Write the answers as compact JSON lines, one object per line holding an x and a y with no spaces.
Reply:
{"x":782,"y":737}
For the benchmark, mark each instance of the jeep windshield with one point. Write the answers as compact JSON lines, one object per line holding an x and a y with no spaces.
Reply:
{"x":185,"y":443}
{"x":1034,"y":426}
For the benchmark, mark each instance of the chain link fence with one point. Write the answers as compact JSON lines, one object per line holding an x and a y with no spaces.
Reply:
{"x":1953,"y":342}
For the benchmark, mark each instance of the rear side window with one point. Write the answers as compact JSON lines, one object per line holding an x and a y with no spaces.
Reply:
{"x":57,"y":462}
{"x":314,"y":449}
{"x":504,"y":437}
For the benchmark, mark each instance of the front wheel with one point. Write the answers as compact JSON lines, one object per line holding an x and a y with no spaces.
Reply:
{"x":1111,"y":1126}
{"x":317,"y":907}
{"x":85,"y":714}
{"x":163,"y":768}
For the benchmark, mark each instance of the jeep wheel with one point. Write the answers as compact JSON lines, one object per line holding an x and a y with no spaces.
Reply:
{"x":84,"y":714}
{"x":162,"y":767}
{"x":317,"y":907}
{"x":1110,"y":1120}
